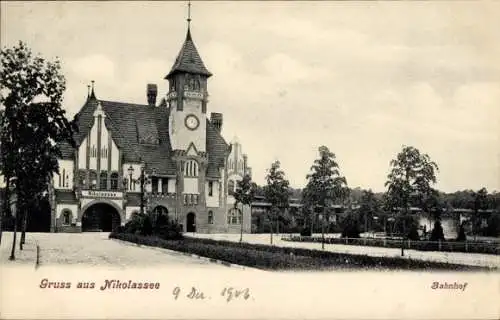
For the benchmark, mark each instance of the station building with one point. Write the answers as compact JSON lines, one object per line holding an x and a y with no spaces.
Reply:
{"x":167,"y":156}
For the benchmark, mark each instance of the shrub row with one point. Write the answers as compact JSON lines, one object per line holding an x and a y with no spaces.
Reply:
{"x":447,"y":246}
{"x":281,"y":258}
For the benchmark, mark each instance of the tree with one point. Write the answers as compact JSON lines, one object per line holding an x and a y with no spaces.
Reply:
{"x":33,"y":123}
{"x":245,"y":192}
{"x":369,"y":207}
{"x":325,"y":185}
{"x":480,"y":199}
{"x":410,"y":179}
{"x":276,"y":192}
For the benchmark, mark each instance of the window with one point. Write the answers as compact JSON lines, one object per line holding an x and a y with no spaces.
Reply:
{"x":164,"y":185}
{"x":83,"y":177}
{"x":104,"y":152}
{"x":234,"y":216}
{"x":93,"y":151}
{"x":93,"y":179}
{"x":210,"y":217}
{"x":103,"y":180}
{"x":190,"y":199}
{"x":160,"y":211}
{"x":191,"y":168}
{"x":114,"y":181}
{"x":230,"y":187}
{"x":210,"y":188}
{"x":154,"y":185}
{"x":63,"y":178}
{"x":66,"y":217}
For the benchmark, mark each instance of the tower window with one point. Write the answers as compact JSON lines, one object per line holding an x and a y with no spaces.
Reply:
{"x":191,"y":168}
{"x":210,"y":188}
{"x":210,"y":217}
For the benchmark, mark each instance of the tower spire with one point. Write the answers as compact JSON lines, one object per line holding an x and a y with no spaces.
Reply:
{"x":189,"y":15}
{"x":92,"y":94}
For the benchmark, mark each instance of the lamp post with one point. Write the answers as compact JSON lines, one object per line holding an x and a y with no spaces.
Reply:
{"x":130,"y":172}
{"x":142,"y":182}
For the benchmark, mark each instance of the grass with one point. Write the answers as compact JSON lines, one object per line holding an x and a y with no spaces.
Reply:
{"x":280,"y":258}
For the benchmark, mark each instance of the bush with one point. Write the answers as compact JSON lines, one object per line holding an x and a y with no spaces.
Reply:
{"x":461,"y":234}
{"x":413,"y":233}
{"x":306,"y":232}
{"x":147,"y":226}
{"x":170,"y":231}
{"x":350,"y":230}
{"x":437,"y":233}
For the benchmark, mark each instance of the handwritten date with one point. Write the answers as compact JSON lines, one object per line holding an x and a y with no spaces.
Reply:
{"x":231,"y":293}
{"x":228,"y":293}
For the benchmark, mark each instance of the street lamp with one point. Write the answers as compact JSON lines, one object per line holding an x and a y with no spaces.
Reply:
{"x":143,"y":181}
{"x":130,"y":172}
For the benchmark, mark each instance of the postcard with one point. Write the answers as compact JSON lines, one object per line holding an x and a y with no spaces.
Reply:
{"x":249,"y":160}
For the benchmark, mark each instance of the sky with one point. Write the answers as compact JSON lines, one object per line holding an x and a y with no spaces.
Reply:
{"x":362,"y":78}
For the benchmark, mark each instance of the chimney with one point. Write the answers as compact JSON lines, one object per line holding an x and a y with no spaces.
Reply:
{"x":152,"y":92}
{"x":216,"y":119}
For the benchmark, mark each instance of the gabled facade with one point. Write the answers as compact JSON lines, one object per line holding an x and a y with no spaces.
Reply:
{"x":178,"y":147}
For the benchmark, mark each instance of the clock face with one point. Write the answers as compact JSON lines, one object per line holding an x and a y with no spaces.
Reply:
{"x":192,"y":122}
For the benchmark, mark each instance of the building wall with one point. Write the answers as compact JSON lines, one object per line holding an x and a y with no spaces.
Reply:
{"x":191,"y":186}
{"x":212,"y":200}
{"x":64,"y":180}
{"x":450,"y":225}
{"x":129,"y":211}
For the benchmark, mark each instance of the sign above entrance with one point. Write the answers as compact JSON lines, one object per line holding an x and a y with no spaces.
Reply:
{"x":101,"y":194}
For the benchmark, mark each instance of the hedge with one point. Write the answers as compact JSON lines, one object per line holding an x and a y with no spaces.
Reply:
{"x":281,"y":258}
{"x":447,"y":246}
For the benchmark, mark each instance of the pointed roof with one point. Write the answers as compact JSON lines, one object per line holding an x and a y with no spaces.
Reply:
{"x":188,"y":59}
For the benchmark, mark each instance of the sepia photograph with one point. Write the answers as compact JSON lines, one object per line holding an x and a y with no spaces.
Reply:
{"x":249,"y":160}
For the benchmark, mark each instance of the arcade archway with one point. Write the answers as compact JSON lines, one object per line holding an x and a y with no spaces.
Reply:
{"x":100,"y":217}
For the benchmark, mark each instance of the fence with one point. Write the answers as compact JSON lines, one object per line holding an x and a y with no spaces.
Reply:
{"x":422,"y":245}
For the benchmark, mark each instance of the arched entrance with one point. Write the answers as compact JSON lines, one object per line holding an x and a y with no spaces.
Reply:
{"x":191,"y":222}
{"x":100,"y":217}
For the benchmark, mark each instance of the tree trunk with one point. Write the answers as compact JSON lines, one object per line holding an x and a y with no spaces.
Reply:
{"x":12,"y":253}
{"x":271,"y":225}
{"x":5,"y":205}
{"x":24,"y":226}
{"x":241,"y":222}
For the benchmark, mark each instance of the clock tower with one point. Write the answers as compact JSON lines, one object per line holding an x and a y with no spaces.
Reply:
{"x":187,"y":98}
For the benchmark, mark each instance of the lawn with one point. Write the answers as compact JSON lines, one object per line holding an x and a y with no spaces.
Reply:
{"x":282,"y":258}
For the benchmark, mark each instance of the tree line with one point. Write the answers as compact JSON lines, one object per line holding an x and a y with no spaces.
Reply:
{"x":410,"y":183}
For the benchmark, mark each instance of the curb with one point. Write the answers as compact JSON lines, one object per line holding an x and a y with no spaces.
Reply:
{"x":192,"y":255}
